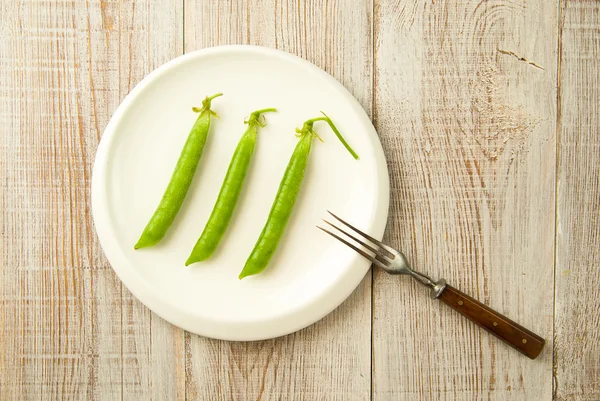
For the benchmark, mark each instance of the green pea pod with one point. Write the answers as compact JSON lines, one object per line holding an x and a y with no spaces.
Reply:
{"x":230,"y":192}
{"x":286,"y":198}
{"x":181,"y":179}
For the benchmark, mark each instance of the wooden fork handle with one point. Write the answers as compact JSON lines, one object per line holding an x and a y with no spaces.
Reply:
{"x":502,"y":327}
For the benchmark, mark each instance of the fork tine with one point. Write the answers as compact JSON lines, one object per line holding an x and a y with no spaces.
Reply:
{"x":360,"y":251}
{"x":377,"y":252}
{"x":389,"y":249}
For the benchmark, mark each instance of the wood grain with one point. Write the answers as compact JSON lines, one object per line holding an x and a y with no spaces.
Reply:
{"x":68,"y":328}
{"x":469,"y":132}
{"x":331,"y":359}
{"x":577,"y":326}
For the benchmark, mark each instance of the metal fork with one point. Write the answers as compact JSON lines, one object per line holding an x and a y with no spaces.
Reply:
{"x":394,"y":262}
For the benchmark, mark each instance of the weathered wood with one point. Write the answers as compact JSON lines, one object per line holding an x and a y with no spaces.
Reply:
{"x":577,"y":325}
{"x":465,"y":104}
{"x":68,"y":328}
{"x":331,"y":359}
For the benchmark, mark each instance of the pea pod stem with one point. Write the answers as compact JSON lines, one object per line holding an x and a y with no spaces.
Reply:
{"x":256,"y":114}
{"x":230,"y":191}
{"x":309,"y":123}
{"x":285,"y":199}
{"x":206,"y":105}
{"x":340,"y":137}
{"x":181,"y":178}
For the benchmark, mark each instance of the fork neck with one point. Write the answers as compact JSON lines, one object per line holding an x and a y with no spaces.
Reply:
{"x":435,"y":287}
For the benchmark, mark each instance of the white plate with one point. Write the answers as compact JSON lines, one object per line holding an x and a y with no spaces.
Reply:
{"x":311,"y":273}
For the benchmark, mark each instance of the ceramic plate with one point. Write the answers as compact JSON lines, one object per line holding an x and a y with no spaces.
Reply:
{"x":310,"y":273}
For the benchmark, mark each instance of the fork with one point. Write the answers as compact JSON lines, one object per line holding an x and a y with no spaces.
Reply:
{"x":394,"y":262}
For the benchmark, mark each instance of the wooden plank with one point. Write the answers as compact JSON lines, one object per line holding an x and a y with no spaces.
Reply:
{"x":465,"y":104}
{"x":66,"y":323}
{"x":577,"y":326}
{"x":331,"y":359}
{"x":60,"y":300}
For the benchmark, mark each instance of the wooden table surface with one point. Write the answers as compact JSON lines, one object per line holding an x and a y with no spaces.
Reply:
{"x":488,"y":112}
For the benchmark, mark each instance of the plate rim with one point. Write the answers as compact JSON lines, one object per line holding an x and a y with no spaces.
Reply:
{"x":140,"y":289}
